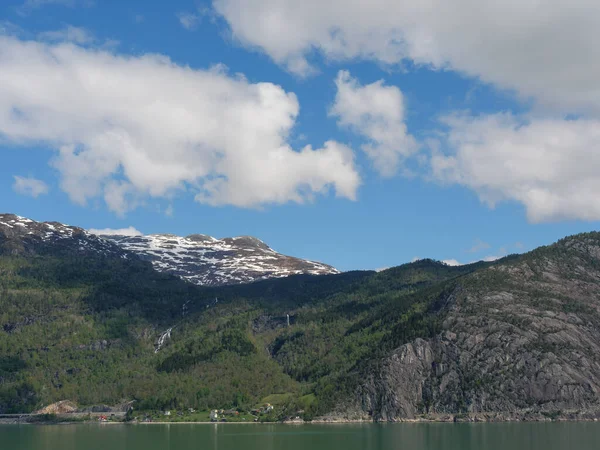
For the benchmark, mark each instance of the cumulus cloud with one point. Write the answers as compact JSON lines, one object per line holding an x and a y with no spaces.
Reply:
{"x":189,"y":21}
{"x":129,"y":231}
{"x":126,"y":128}
{"x":32,"y":187}
{"x":545,"y":52}
{"x":514,"y":44}
{"x":375,"y":111}
{"x":551,"y":166}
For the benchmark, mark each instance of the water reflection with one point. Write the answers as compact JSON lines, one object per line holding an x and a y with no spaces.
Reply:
{"x":513,"y":436}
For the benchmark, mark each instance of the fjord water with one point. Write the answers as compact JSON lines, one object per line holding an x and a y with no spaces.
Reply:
{"x":447,"y":436}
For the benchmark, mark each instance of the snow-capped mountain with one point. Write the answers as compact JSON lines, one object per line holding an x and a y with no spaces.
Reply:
{"x":208,"y":261}
{"x":22,"y":236}
{"x":198,"y":258}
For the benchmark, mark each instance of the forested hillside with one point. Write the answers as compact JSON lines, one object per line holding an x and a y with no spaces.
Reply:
{"x":521,"y":334}
{"x":83,"y":325}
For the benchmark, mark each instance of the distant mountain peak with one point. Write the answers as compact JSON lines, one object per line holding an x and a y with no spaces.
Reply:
{"x":198,"y":258}
{"x":209,"y":261}
{"x":20,"y":235}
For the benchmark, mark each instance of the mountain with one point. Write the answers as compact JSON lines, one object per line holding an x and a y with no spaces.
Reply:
{"x":518,"y":340}
{"x":200,"y":259}
{"x":22,"y":236}
{"x":207,"y":261}
{"x":92,"y":323}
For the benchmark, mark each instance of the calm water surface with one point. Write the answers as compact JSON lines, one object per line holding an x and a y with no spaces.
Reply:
{"x":515,"y":436}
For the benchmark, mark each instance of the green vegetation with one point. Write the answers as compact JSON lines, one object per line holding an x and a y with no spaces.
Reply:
{"x":85,"y":329}
{"x":175,"y":416}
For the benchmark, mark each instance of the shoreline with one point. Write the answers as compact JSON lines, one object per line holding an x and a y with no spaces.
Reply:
{"x":315,"y":423}
{"x":320,"y":422}
{"x":590,"y":415}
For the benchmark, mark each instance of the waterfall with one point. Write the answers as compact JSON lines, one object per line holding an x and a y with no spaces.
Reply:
{"x":162,"y":339}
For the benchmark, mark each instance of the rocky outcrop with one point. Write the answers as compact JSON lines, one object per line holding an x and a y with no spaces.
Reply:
{"x":521,"y":339}
{"x":62,"y":407}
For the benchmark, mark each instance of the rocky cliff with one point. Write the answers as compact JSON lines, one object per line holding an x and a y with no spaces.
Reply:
{"x":519,"y":338}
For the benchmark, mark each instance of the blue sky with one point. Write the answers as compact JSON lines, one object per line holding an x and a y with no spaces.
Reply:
{"x":456,"y":139}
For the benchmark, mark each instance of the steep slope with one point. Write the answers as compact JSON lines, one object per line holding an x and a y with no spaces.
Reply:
{"x":80,"y":319}
{"x":520,"y":339}
{"x":22,"y":236}
{"x":319,"y":330}
{"x":207,"y":261}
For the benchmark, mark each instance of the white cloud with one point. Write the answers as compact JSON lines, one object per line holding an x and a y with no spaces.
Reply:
{"x":189,"y":21}
{"x":452,"y":262}
{"x":550,"y":166}
{"x":491,"y":258}
{"x":69,"y":33}
{"x":129,"y":231}
{"x":131,"y":127}
{"x":29,"y":186}
{"x":376,"y":112}
{"x":547,"y":50}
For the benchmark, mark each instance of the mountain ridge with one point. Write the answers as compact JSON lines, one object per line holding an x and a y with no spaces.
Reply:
{"x":208,"y":261}
{"x":197,"y":258}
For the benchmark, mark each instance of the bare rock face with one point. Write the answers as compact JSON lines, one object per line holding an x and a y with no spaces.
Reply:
{"x":62,"y":407}
{"x":208,"y":261}
{"x":519,"y":338}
